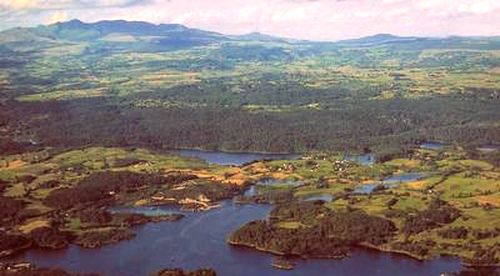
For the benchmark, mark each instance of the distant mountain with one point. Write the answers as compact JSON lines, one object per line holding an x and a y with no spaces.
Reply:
{"x":256,"y":36}
{"x":377,"y":39}
{"x":121,"y":35}
{"x":416,"y":43}
{"x":137,"y":35}
{"x":67,"y":30}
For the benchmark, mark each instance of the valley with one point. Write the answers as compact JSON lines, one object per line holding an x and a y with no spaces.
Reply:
{"x":424,"y":217}
{"x":125,"y":142}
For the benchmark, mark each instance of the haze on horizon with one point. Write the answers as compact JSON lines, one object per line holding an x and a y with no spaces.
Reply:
{"x":301,"y":19}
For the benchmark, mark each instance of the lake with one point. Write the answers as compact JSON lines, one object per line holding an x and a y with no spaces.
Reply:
{"x":403,"y":178}
{"x":362,"y":159}
{"x":199,"y":240}
{"x":432,"y":145}
{"x":150,"y":211}
{"x":313,"y":197}
{"x":269,"y":181}
{"x":489,"y":148}
{"x":232,"y":158}
{"x":389,"y":182}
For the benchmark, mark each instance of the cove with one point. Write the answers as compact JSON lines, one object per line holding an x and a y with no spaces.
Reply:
{"x":232,"y":158}
{"x":199,"y":240}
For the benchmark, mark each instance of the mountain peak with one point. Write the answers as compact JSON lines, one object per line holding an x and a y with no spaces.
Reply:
{"x":71,"y":23}
{"x":381,"y":38}
{"x":260,"y":37}
{"x":384,"y":36}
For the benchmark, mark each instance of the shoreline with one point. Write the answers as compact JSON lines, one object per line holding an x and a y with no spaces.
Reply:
{"x":364,"y":246}
{"x":279,"y":253}
{"x":396,"y":251}
{"x":232,"y":151}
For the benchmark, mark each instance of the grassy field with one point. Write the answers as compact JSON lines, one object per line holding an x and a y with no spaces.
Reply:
{"x":473,"y":186}
{"x":79,"y":103}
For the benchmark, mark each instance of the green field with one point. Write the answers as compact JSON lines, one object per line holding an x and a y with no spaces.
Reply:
{"x":198,"y":89}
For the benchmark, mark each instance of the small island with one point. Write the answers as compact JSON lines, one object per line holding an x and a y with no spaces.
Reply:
{"x":425,"y":204}
{"x":430,"y":203}
{"x":68,"y":197}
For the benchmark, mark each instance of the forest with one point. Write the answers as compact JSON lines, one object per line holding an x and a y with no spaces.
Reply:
{"x":320,"y":232}
{"x":77,"y":87}
{"x":388,"y":127}
{"x":90,"y":111}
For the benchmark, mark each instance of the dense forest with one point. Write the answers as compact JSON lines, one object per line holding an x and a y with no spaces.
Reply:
{"x":319,"y":232}
{"x":387,"y":126}
{"x":189,"y":88}
{"x":88,"y":112}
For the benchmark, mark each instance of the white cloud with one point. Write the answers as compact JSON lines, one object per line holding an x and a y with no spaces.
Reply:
{"x":68,"y":4}
{"x":319,"y":19}
{"x":58,"y":16}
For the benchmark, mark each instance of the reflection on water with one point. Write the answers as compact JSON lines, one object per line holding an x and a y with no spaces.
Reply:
{"x":269,"y":181}
{"x":365,"y":188}
{"x":232,"y":158}
{"x":199,"y":240}
{"x":364,"y":159}
{"x":489,"y":148}
{"x":403,"y":178}
{"x":252,"y":191}
{"x":432,"y":145}
{"x":313,"y":197}
{"x":389,"y":182}
{"x":149,"y":211}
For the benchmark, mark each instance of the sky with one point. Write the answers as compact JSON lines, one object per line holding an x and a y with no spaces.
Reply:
{"x":302,"y":19}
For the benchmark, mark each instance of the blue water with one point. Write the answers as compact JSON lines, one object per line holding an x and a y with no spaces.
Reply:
{"x":365,"y":188}
{"x":278,"y":182}
{"x":432,"y":145}
{"x":144,"y":210}
{"x":363,"y":159}
{"x":199,"y":240}
{"x":323,"y":197}
{"x":489,"y":148}
{"x":252,"y":191}
{"x":232,"y":158}
{"x":389,"y":182}
{"x":403,"y":178}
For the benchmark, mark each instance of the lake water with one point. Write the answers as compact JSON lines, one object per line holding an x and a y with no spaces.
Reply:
{"x":232,"y":158}
{"x":390,"y":181}
{"x":432,"y":145}
{"x":363,"y":159}
{"x":365,"y":188}
{"x":144,"y":210}
{"x":489,"y":148}
{"x":199,"y":240}
{"x":403,"y":178}
{"x":268,"y":181}
{"x":251,"y":191}
{"x":313,"y":197}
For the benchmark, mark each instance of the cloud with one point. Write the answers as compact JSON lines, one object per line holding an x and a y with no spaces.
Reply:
{"x":18,"y":4}
{"x":68,"y":4}
{"x":58,"y":16}
{"x":307,"y":19}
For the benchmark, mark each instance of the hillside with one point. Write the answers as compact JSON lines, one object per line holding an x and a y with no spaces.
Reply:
{"x":168,"y":85}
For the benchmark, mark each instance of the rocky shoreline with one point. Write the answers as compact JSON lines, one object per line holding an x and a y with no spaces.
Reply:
{"x":361,"y":245}
{"x":279,"y":253}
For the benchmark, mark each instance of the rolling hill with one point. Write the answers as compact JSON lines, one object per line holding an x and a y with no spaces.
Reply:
{"x":168,"y":85}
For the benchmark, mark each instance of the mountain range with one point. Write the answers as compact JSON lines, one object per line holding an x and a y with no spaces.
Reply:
{"x":143,"y":36}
